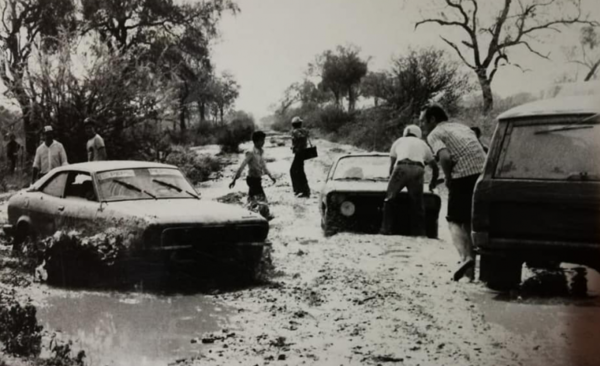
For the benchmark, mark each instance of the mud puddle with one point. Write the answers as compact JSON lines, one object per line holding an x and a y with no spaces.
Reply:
{"x":133,"y":329}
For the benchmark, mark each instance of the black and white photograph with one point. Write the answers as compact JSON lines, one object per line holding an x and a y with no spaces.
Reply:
{"x":299,"y":182}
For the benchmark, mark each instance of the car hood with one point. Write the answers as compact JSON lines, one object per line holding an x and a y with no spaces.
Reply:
{"x":180,"y":211}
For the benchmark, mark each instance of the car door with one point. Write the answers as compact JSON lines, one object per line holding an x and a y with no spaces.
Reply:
{"x":45,"y":206}
{"x":81,"y":205}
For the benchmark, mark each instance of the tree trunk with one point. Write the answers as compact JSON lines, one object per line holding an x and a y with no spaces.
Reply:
{"x":221,"y":110}
{"x":486,"y":92}
{"x":202,"y":111}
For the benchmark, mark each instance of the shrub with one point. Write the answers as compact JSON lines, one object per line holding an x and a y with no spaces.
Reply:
{"x":331,"y":118}
{"x":237,"y":131}
{"x":20,"y":334}
{"x":197,"y":168}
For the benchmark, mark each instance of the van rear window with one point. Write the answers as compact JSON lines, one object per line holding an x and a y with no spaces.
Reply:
{"x":553,"y":151}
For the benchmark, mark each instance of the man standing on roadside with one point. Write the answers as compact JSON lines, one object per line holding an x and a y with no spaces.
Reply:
{"x":96,"y":150}
{"x":49,"y":155}
{"x":462,"y":159}
{"x":12,"y":150}
{"x":299,"y":143}
{"x":408,"y":157}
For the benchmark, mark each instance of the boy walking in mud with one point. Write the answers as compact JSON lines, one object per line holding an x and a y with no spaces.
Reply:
{"x":257,"y":167}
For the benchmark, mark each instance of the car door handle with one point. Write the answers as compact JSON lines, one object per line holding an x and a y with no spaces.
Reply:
{"x":61,"y":208}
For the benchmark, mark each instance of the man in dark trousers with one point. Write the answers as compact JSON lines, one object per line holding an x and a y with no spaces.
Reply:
{"x":12,"y":150}
{"x":299,"y":143}
{"x":408,"y":157}
{"x":462,"y":159}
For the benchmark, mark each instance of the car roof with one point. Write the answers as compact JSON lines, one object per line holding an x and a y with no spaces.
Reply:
{"x":100,"y":166}
{"x":572,"y":105}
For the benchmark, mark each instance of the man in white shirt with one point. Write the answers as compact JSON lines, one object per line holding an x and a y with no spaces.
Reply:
{"x":49,"y":155}
{"x":408,"y":157}
{"x":96,"y":149}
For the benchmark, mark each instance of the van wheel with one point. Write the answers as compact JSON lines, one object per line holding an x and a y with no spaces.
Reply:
{"x":499,"y":272}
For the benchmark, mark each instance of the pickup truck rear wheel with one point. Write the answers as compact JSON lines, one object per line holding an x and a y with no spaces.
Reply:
{"x":327,"y":224}
{"x":21,"y":234}
{"x":499,"y":272}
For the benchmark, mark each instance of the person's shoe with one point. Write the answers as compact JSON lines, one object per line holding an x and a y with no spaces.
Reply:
{"x":298,"y":194}
{"x":304,"y":195}
{"x":462,"y":270}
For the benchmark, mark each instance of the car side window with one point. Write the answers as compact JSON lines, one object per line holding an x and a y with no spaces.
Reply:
{"x":56,"y":186}
{"x":80,"y":187}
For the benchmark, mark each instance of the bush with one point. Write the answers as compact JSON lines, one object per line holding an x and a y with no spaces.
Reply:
{"x":197,"y":168}
{"x":20,"y":334}
{"x":237,"y":131}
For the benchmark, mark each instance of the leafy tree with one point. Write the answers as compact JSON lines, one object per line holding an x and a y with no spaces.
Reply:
{"x":587,"y":54}
{"x":224,"y":90}
{"x":341,"y":72}
{"x":424,"y":74}
{"x":375,"y":85}
{"x":26,"y":23}
{"x":486,"y":41}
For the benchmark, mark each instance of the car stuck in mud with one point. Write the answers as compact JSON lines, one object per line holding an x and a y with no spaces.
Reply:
{"x":538,"y":199}
{"x":353,"y":194}
{"x":154,"y":203}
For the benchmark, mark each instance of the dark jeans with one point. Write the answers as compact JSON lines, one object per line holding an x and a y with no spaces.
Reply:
{"x":411,"y":177}
{"x":255,"y":189}
{"x":299,"y":181}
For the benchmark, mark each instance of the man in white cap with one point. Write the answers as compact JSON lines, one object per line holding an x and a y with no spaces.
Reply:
{"x":299,"y":143}
{"x":408,"y":157}
{"x":49,"y":155}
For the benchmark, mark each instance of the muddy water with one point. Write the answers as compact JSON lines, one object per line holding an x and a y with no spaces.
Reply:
{"x":133,"y":329}
{"x":567,"y":326}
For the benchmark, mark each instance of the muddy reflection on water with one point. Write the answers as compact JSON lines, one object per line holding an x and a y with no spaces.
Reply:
{"x":133,"y":329}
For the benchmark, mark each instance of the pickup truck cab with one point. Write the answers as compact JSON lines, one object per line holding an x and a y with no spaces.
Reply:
{"x":538,"y":200}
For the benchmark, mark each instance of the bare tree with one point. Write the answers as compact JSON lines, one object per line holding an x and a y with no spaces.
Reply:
{"x":517,"y":23}
{"x":587,"y":54}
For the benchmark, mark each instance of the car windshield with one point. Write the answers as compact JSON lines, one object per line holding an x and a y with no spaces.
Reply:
{"x":143,"y":183}
{"x":558,"y":150}
{"x":362,"y":168}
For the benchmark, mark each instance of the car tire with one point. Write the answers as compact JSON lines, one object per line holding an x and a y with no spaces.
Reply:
{"x":431,"y":228}
{"x":500,"y":273}
{"x":21,"y":234}
{"x":327,"y":224}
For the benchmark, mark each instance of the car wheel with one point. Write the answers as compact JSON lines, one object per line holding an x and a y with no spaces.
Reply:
{"x":499,"y":272}
{"x":431,"y":228}
{"x":21,"y":234}
{"x":327,"y":224}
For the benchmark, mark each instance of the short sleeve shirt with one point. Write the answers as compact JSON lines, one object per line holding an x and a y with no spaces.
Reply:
{"x":467,"y":154}
{"x":93,"y":146}
{"x":49,"y":157}
{"x":411,"y":148}
{"x":299,"y":139}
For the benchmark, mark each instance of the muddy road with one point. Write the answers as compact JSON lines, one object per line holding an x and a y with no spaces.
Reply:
{"x":346,"y":300}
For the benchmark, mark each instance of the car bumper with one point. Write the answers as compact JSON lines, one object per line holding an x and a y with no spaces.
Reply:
{"x":191,"y":246}
{"x":562,"y":251}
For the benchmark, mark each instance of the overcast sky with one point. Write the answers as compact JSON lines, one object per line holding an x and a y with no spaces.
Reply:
{"x":268,"y":45}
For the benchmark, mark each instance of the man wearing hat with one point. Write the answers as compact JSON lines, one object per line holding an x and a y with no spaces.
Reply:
{"x":299,"y":143}
{"x":408,"y":157}
{"x":49,"y":155}
{"x":96,"y":149}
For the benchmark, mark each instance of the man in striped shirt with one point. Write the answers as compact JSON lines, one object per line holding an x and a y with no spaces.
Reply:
{"x":462,"y":159}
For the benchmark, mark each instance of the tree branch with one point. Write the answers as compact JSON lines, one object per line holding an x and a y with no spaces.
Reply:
{"x":458,"y":52}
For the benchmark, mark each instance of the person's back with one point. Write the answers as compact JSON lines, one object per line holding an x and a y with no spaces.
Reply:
{"x":411,"y":148}
{"x":465,"y":149}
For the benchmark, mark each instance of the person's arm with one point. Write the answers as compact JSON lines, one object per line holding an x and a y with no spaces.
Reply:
{"x":268,"y":171}
{"x":393,"y":157}
{"x":392,"y":164}
{"x":446,"y":163}
{"x":435,"y":174}
{"x":36,"y":167}
{"x":240,"y":170}
{"x":100,"y":148}
{"x":63,"y":156}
